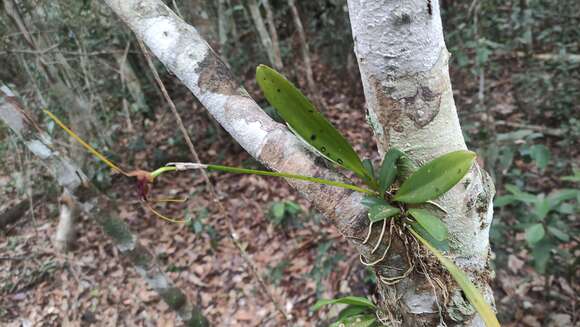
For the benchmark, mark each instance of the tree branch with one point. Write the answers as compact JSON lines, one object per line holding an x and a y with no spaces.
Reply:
{"x":182,"y":50}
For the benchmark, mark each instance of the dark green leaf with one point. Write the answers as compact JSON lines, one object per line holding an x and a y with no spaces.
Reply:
{"x":380,"y":211}
{"x":520,"y":195}
{"x":405,"y":168}
{"x":436,"y":177}
{"x":430,"y":223}
{"x":367,"y":320}
{"x":535,"y":233}
{"x":562,"y":195}
{"x":541,"y":254}
{"x":307,"y":122}
{"x":501,"y":201}
{"x":368,"y":165}
{"x":559,"y":234}
{"x":541,"y":155}
{"x":439,"y":245}
{"x":388,"y":170}
{"x":352,"y":310}
{"x":352,"y":300}
{"x":369,"y":201}
{"x":542,"y":207}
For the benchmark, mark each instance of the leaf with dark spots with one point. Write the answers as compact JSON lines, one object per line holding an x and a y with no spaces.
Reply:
{"x":305,"y":121}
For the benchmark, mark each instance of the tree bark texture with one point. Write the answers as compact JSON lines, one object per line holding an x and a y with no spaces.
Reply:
{"x":404,"y":69}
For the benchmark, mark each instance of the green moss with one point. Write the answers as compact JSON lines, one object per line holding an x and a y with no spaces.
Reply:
{"x":198,"y":320}
{"x":173,"y":297}
{"x":460,"y":309}
{"x":140,"y":257}
{"x":117,"y":230}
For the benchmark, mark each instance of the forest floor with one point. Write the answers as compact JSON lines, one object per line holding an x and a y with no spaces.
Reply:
{"x":302,"y":259}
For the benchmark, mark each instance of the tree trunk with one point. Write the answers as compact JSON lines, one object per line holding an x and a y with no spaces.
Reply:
{"x":68,"y":213}
{"x":222,"y":24}
{"x":274,"y":34}
{"x":305,"y":51}
{"x":265,"y":38}
{"x":403,"y":63}
{"x":405,"y":77}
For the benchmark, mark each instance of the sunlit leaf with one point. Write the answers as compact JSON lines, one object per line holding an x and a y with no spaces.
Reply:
{"x":307,"y":122}
{"x":388,"y":170}
{"x":470,"y":291}
{"x":436,"y":177}
{"x":381,"y":211}
{"x":535,"y":233}
{"x":351,"y":300}
{"x":430,"y":223}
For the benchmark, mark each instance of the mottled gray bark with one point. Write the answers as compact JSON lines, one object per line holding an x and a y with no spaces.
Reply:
{"x":95,"y":205}
{"x":403,"y":63}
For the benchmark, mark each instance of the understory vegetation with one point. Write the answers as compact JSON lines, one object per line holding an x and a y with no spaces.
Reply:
{"x":515,"y":70}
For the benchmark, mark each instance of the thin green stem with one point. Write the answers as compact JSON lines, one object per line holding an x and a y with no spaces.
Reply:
{"x":291,"y":176}
{"x":162,"y":170}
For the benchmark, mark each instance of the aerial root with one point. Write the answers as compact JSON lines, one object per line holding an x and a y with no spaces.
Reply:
{"x":370,"y":264}
{"x":380,"y":237}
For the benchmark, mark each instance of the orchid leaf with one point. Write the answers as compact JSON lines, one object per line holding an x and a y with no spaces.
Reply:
{"x":364,"y":320}
{"x":433,"y":225}
{"x":381,"y":211}
{"x":307,"y":122}
{"x":369,"y":201}
{"x":436,"y":177}
{"x":388,"y":170}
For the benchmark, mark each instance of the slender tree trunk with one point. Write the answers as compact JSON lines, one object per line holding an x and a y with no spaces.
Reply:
{"x":403,"y":63}
{"x":222,"y":23}
{"x":68,"y":213}
{"x":274,"y":34}
{"x":305,"y":51}
{"x":265,"y":38}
